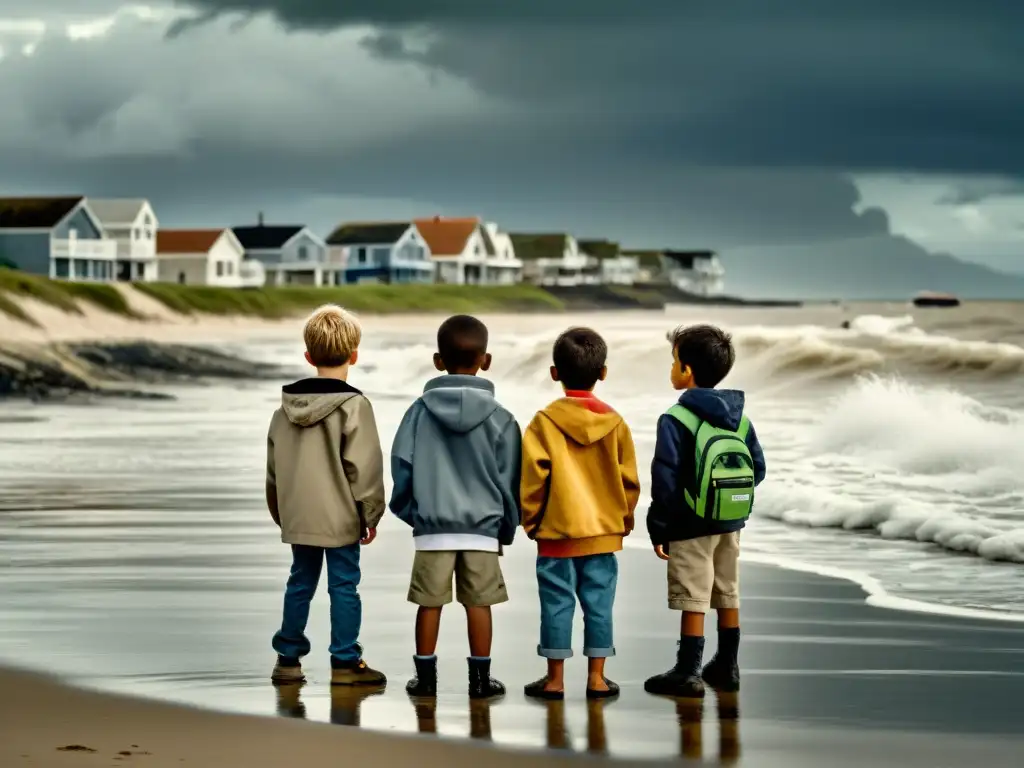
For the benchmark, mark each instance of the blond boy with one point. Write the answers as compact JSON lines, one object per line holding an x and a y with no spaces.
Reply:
{"x":325,"y":490}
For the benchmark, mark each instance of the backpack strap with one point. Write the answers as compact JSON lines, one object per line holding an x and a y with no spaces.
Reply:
{"x":744,"y":428}
{"x":686,"y":417}
{"x":693,"y":423}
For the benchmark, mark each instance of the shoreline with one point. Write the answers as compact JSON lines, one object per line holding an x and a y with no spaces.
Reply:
{"x":868,"y":705}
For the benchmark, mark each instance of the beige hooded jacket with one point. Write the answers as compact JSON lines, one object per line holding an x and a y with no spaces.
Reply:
{"x":325,"y":460}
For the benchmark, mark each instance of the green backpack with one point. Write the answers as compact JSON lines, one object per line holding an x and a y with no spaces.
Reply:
{"x":724,"y":468}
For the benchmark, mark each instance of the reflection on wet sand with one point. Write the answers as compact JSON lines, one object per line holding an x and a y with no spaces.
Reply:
{"x":690,"y":713}
{"x":345,"y":702}
{"x":479,"y":717}
{"x":558,"y":736}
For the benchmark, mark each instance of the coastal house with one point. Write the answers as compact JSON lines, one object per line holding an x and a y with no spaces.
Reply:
{"x":616,"y":267}
{"x":381,"y":252}
{"x":504,"y":268}
{"x":697,"y":272}
{"x":291,"y":254}
{"x":59,"y":237}
{"x":555,"y":259}
{"x":465,"y":253}
{"x":206,"y":257}
{"x":132,"y":225}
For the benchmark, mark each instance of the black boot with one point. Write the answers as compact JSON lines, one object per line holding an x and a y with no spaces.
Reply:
{"x":481,"y":684}
{"x":683,"y":680}
{"x":723,"y":672}
{"x":425,"y":682}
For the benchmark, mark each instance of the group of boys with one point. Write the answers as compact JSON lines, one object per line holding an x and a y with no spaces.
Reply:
{"x":465,"y":479}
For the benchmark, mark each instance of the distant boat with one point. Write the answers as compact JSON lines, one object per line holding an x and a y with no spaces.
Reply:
{"x":927,"y":299}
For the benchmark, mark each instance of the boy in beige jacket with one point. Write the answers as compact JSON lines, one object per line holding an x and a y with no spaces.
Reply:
{"x":325,"y":490}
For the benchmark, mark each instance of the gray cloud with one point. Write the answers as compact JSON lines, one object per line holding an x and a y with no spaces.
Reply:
{"x":871,"y":85}
{"x":683,"y":123}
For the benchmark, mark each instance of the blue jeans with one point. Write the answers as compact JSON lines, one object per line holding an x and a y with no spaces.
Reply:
{"x":346,"y":608}
{"x":561,"y":580}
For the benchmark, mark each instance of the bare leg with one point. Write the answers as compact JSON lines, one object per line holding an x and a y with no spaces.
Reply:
{"x":693,"y":624}
{"x":556,"y":675}
{"x":478,"y":623}
{"x":428,"y":624}
{"x":595,"y":675}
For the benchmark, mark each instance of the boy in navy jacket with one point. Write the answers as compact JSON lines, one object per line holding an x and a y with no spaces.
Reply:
{"x":697,"y":511}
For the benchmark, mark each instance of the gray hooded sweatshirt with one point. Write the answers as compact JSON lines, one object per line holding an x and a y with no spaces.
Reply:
{"x":455,"y":463}
{"x":324,"y":457}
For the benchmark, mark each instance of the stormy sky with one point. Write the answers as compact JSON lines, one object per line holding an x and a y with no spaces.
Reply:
{"x":656,"y":122}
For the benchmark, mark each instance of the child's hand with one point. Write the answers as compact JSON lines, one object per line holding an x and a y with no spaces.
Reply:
{"x":371,"y":534}
{"x":659,"y":550}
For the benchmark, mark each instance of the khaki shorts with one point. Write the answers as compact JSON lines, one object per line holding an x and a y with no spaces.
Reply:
{"x":478,"y":579}
{"x":704,"y":573}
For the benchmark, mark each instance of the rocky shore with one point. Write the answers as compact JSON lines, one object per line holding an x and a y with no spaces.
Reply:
{"x":114,"y":369}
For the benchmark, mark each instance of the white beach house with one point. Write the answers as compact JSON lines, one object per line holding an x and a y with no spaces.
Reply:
{"x":132,"y":224}
{"x":206,"y":257}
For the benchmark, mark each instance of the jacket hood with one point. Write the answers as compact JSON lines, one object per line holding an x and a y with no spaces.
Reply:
{"x":582,"y":417}
{"x":721,"y":408}
{"x":461,"y":403}
{"x":309,"y":401}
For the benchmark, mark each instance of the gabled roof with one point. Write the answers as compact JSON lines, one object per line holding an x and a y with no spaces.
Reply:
{"x":368,"y":233}
{"x":602,"y":249}
{"x":263,"y":237}
{"x":539,"y":246}
{"x":112,"y":211}
{"x":187,"y":240}
{"x":648,"y":259}
{"x":35,"y":212}
{"x":447,"y":237}
{"x":686,"y":259}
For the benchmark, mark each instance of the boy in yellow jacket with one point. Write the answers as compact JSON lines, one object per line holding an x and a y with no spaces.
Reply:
{"x":579,"y":488}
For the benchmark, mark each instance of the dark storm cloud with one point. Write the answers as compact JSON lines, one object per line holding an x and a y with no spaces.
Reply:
{"x":872,"y":85}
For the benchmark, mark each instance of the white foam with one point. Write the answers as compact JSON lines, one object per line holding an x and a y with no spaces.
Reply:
{"x":876,"y":593}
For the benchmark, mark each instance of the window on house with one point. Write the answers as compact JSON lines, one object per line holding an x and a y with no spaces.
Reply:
{"x":230,"y":268}
{"x":220,"y":269}
{"x":360,"y":255}
{"x":149,"y":234}
{"x":136,"y":234}
{"x":303,"y":253}
{"x":61,"y":268}
{"x":380,"y":256}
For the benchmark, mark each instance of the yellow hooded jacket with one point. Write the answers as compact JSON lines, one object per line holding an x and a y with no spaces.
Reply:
{"x":579,"y":480}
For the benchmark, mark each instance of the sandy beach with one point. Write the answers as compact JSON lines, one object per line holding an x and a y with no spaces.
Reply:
{"x":136,"y":559}
{"x":828,"y":680}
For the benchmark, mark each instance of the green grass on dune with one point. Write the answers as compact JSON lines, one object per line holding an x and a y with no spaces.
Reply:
{"x":60,"y":294}
{"x":272,"y":302}
{"x":374,"y":299}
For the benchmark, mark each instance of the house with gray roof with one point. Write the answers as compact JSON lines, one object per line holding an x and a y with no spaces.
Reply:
{"x":381,"y":252}
{"x":58,"y":237}
{"x":555,"y":259}
{"x":132,"y":224}
{"x":291,"y":254}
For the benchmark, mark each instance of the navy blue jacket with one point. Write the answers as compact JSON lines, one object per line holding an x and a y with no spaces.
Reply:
{"x":670,"y":518}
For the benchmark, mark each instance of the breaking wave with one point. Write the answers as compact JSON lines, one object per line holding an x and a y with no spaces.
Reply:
{"x":913,"y":463}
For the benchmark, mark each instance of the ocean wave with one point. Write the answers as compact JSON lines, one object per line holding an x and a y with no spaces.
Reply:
{"x":892,"y":519}
{"x":872,"y":343}
{"x":913,"y":463}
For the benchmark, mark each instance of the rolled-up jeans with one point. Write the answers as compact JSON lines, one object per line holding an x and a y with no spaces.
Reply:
{"x":563,"y":580}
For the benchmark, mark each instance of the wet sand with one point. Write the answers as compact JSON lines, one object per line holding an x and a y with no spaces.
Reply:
{"x":826,"y":679}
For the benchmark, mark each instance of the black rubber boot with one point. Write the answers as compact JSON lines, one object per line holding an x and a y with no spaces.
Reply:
{"x":683,"y":680}
{"x":481,"y":684}
{"x":425,"y":683}
{"x":723,"y":672}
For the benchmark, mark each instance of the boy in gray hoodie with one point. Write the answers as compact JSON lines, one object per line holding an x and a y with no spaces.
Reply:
{"x":325,"y":490}
{"x":456,"y":463}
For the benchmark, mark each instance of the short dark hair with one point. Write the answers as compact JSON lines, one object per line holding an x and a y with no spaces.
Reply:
{"x":579,"y":355}
{"x":707,"y":349}
{"x":461,"y":340}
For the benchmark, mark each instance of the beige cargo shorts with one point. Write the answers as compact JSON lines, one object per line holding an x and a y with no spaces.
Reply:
{"x":478,"y":579}
{"x":704,"y":573}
